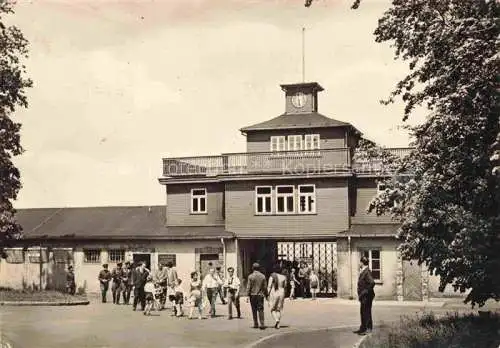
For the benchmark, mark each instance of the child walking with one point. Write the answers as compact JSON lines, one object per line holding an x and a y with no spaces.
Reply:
{"x":314,"y":284}
{"x":195,"y":298}
{"x":179,"y":298}
{"x":149,"y":290}
{"x":293,"y":283}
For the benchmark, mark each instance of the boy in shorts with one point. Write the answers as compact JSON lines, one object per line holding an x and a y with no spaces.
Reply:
{"x":149,"y":290}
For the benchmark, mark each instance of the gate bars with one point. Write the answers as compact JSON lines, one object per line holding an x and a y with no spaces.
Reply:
{"x":321,"y":256}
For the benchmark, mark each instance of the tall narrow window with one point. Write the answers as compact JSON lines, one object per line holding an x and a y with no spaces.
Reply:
{"x":373,"y":256}
{"x":311,"y":142}
{"x":307,"y":199}
{"x":285,"y":200}
{"x":198,"y":201}
{"x":263,"y":199}
{"x":278,"y":143}
{"x":294,"y":142}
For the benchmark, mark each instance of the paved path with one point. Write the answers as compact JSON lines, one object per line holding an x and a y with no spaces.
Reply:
{"x":108,"y":325}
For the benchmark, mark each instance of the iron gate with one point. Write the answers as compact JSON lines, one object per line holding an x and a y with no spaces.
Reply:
{"x":320,"y":256}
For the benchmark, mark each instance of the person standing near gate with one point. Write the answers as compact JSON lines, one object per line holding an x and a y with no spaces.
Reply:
{"x":257,"y":292}
{"x":104,"y":278}
{"x":116,"y":288}
{"x":366,"y":295}
{"x":232,"y":285}
{"x":301,"y":277}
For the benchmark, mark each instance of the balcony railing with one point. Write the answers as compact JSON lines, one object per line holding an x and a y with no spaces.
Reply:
{"x":283,"y":162}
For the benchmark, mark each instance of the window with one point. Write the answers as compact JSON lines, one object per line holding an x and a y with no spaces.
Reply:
{"x":14,"y":255}
{"x":311,"y":142}
{"x":91,"y":256}
{"x":263,"y":200}
{"x":373,"y":256}
{"x":294,"y":142}
{"x":307,"y":199}
{"x":116,"y":255}
{"x":38,"y":255}
{"x":198,"y":201}
{"x":285,"y":201}
{"x":278,"y":143}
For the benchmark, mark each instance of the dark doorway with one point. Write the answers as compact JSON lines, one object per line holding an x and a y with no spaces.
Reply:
{"x":261,"y":251}
{"x":205,"y":260}
{"x":143,"y":257}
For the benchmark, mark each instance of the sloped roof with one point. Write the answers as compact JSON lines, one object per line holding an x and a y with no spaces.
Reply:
{"x":133,"y":222}
{"x":293,"y":121}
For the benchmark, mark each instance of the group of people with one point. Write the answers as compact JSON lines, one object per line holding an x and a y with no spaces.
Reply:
{"x":152,"y":291}
{"x":136,"y":278}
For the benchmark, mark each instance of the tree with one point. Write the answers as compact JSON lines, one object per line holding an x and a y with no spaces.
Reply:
{"x":13,"y":85}
{"x":450,"y":209}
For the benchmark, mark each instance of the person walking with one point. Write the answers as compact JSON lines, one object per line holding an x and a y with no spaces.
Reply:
{"x":276,"y":291}
{"x":104,"y":278}
{"x":313,"y":284}
{"x":116,"y":287}
{"x":172,"y":277}
{"x":232,"y":286}
{"x":257,"y":292}
{"x":195,"y":296}
{"x":211,"y":285}
{"x":70,"y":281}
{"x":161,"y":279}
{"x":139,"y":276}
{"x":293,"y":284}
{"x":126,"y":283}
{"x":366,"y":294}
{"x":220,"y":291}
{"x":149,"y":295}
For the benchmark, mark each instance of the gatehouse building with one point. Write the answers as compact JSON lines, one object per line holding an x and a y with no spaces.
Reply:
{"x":296,"y":194}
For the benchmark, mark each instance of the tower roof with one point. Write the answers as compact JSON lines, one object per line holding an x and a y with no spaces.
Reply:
{"x":296,"y":121}
{"x":303,"y":85}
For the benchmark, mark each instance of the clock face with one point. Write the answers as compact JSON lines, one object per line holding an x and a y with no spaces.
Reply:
{"x":299,"y":100}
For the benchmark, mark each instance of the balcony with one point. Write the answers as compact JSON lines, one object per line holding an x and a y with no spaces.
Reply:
{"x":279,"y":163}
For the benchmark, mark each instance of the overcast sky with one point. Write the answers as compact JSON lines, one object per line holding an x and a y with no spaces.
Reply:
{"x":120,"y":84}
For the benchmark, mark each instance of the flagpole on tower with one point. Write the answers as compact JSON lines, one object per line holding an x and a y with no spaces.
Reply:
{"x":303,"y":54}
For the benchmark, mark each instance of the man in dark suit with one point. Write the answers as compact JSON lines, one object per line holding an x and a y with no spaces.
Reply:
{"x":257,"y":291}
{"x":365,"y":296}
{"x":139,"y":277}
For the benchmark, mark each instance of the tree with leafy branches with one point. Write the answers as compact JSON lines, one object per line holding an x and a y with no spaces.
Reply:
{"x":450,"y":208}
{"x":13,"y":85}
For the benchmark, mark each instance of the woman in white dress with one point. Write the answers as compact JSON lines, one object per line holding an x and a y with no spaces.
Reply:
{"x":276,"y":290}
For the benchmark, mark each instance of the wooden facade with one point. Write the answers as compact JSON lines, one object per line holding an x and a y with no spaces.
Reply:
{"x":282,"y":152}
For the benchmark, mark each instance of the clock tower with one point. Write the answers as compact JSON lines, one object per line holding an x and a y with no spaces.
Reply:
{"x":301,"y":98}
